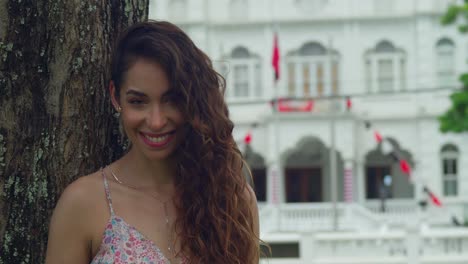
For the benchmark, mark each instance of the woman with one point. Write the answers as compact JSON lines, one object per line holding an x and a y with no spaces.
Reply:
{"x":178,"y":195}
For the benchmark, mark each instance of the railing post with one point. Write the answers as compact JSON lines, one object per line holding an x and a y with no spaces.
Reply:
{"x":307,"y":250}
{"x":276,"y":216}
{"x":413,"y":241}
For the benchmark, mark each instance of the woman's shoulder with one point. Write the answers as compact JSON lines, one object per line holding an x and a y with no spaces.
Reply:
{"x":83,"y":191}
{"x":75,"y":219}
{"x":81,"y":200}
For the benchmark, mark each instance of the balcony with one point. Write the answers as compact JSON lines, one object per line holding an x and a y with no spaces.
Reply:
{"x":403,"y":234}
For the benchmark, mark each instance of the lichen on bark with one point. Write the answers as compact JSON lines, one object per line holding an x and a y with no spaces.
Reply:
{"x":55,"y":117}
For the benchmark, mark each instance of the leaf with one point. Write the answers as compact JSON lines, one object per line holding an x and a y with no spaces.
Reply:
{"x":450,"y":15}
{"x":463,"y":28}
{"x":456,"y":118}
{"x":464,"y":79}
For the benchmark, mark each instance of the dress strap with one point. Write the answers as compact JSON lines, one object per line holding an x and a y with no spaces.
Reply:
{"x":108,"y":195}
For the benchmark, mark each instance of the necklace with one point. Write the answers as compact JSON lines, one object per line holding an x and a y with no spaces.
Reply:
{"x":166,"y":214}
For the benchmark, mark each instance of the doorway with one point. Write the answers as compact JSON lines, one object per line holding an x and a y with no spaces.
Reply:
{"x":303,"y":185}
{"x":374,"y":181}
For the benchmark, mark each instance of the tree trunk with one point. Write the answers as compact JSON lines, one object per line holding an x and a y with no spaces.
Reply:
{"x":56,"y":121}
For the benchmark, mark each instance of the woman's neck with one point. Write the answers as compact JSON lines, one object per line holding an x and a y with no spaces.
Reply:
{"x":148,"y":174}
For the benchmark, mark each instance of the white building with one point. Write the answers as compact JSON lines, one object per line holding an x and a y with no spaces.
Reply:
{"x":397,"y":65}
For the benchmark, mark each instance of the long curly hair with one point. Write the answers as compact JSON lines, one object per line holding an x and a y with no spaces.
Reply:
{"x":215,"y":219}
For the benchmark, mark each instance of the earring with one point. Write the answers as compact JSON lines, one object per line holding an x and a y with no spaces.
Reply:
{"x":119,"y":109}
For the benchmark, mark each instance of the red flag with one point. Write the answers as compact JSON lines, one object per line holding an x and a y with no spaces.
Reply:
{"x":276,"y":57}
{"x":434,"y":199}
{"x":405,"y":167}
{"x":378,"y":137}
{"x":308,"y":107}
{"x":248,"y":138}
{"x":349,"y":104}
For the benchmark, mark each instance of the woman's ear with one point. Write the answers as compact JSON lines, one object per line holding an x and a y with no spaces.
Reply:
{"x":115,"y":101}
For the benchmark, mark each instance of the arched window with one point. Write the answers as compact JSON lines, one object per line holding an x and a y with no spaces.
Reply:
{"x":385,"y":67}
{"x":312,"y":49}
{"x":313,"y":71}
{"x":445,"y":50}
{"x":244,"y":77}
{"x":385,"y":47}
{"x":449,"y":158}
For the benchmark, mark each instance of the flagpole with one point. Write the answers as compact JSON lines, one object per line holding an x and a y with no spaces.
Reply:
{"x":333,"y":174}
{"x":279,"y":177}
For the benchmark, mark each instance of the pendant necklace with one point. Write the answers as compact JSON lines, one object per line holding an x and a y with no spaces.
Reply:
{"x":166,"y":214}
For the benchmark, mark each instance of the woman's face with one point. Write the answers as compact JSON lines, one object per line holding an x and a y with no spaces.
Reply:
{"x":151,"y":119}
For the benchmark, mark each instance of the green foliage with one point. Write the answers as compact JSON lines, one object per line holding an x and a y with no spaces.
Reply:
{"x":450,"y":15}
{"x":456,"y":118}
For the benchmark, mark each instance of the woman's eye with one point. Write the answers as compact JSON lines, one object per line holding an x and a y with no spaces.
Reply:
{"x":166,"y":99}
{"x":135,"y":101}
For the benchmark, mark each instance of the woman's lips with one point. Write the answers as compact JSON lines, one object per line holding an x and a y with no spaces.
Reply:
{"x":157,"y":140}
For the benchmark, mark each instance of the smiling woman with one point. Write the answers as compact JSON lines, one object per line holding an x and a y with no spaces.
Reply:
{"x":152,"y":121}
{"x":178,"y":195}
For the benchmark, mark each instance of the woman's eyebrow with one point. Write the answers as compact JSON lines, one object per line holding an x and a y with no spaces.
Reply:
{"x":134,"y":92}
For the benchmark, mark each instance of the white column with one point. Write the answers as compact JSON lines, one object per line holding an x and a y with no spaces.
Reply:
{"x":273,"y":184}
{"x":360,"y":178}
{"x":413,"y":242}
{"x":270,"y":158}
{"x":374,"y":75}
{"x":348,"y":181}
{"x":312,"y":79}
{"x":298,"y":70}
{"x":396,"y":73}
{"x":327,"y":77}
{"x":252,"y":84}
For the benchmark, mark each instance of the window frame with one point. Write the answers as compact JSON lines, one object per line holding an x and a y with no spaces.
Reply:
{"x":450,"y":173}
{"x":328,"y":84}
{"x":254,"y":88}
{"x":445,"y":76}
{"x":372,"y":67}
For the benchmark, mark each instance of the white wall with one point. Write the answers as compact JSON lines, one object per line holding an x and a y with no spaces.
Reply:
{"x":354,"y":26}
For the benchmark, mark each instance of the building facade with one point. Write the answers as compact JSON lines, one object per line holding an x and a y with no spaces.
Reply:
{"x":350,"y":71}
{"x":391,"y":58}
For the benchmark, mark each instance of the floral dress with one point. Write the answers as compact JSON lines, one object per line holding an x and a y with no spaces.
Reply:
{"x":122,"y":243}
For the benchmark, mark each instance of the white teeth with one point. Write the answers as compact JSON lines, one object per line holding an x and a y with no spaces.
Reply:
{"x":157,"y":139}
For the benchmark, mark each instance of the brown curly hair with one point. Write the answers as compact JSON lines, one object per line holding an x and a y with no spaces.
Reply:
{"x":215,"y":221}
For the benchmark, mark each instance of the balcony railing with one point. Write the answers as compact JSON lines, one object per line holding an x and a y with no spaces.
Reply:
{"x":308,"y":217}
{"x":401,"y":235}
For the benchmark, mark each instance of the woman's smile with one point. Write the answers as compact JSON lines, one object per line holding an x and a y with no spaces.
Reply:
{"x":157,"y":141}
{"x":150,"y":115}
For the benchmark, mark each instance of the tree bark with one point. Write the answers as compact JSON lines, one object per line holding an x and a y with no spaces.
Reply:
{"x":56,"y":121}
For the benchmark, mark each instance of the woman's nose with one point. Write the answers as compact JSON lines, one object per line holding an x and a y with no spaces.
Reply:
{"x":156,"y":119}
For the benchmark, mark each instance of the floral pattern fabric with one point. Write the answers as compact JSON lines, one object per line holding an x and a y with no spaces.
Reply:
{"x":122,"y":243}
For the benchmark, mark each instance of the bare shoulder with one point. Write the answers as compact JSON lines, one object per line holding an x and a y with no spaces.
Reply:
{"x":81,"y":194}
{"x":249,"y":194}
{"x":251,"y":198}
{"x":253,"y":207}
{"x":72,"y":224}
{"x":84,"y":185}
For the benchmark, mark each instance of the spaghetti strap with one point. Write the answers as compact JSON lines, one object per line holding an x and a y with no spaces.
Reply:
{"x":106,"y":188}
